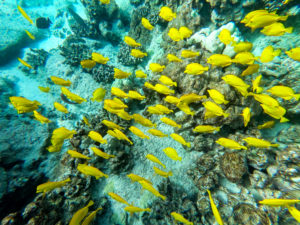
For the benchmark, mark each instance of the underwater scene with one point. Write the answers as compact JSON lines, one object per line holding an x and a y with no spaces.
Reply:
{"x":150,"y":112}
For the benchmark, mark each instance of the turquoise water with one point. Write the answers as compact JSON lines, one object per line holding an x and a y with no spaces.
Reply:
{"x":64,"y":63}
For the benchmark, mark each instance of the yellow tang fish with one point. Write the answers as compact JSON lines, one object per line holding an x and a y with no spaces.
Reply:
{"x":225,"y":37}
{"x":49,"y":186}
{"x":173,"y":58}
{"x":97,"y":137}
{"x":60,"y":134}
{"x":284,"y":92}
{"x":170,"y":122}
{"x":124,"y":115}
{"x":279,"y":202}
{"x":86,"y":121}
{"x":87,"y":63}
{"x":25,"y":63}
{"x":242,"y":46}
{"x":219,"y":60}
{"x":115,"y":103}
{"x":112,"y":125}
{"x":163,"y":89}
{"x":163,"y":109}
{"x":167,"y":14}
{"x":117,"y":198}
{"x":244,"y":58}
{"x":118,"y":92}
{"x":133,"y":209}
{"x":206,"y":129}
{"x":250,"y":15}
{"x":138,"y":132}
{"x":157,"y":133}
{"x":246,"y":114}
{"x":180,"y":139}
{"x":91,"y":171}
{"x":215,"y":209}
{"x":172,"y":154}
{"x":25,"y":14}
{"x":146,"y":23}
{"x":294,"y":212}
{"x":102,"y":154}
{"x":104,"y":1}
{"x":195,"y":69}
{"x":174,"y":34}
{"x":268,"y":124}
{"x":119,"y":74}
{"x":24,"y":105}
{"x":228,"y":143}
{"x":154,"y":110}
{"x":140,"y":74}
{"x":151,"y":189}
{"x":276,"y":112}
{"x":44,"y":89}
{"x":76,"y":154}
{"x":142,"y":120}
{"x":190,"y":98}
{"x":30,"y":35}
{"x":98,"y":58}
{"x":172,"y":99}
{"x":80,"y":214}
{"x":268,"y":54}
{"x":60,"y":107}
{"x":189,"y":54}
{"x":276,"y":29}
{"x":135,"y":95}
{"x":72,"y":96}
{"x":60,"y":81}
{"x":138,"y":53}
{"x":265,"y":99}
{"x":40,"y":117}
{"x":167,"y":81}
{"x":294,"y":54}
{"x":136,"y":178}
{"x":155,"y":160}
{"x":237,"y":83}
{"x":122,"y":136}
{"x":213,"y":110}
{"x":131,"y":42}
{"x":181,"y":219}
{"x":260,"y":21}
{"x":184,"y":107}
{"x":259,"y":143}
{"x":255,"y":85}
{"x":185,"y":32}
{"x":98,"y":94}
{"x":251,"y":69}
{"x":155,"y":67}
{"x":217,"y":96}
{"x":88,"y":220}
{"x":162,"y":173}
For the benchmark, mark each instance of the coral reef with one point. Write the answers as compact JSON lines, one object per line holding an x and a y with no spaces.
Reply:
{"x":36,"y":58}
{"x":103,"y":73}
{"x":125,"y":58}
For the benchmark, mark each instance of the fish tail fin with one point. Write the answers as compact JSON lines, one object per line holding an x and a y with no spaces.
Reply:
{"x":91,"y":202}
{"x":170,"y":173}
{"x":105,"y":175}
{"x":188,"y":144}
{"x":163,"y":165}
{"x":277,"y":52}
{"x":179,"y":158}
{"x":243,"y":147}
{"x":98,"y":209}
{"x":163,"y":197}
{"x":68,"y":180}
{"x":217,"y":128}
{"x":175,"y":84}
{"x":148,"y":137}
{"x":148,"y":209}
{"x":179,"y":126}
{"x":289,"y":30}
{"x":296,"y":96}
{"x":283,"y":18}
{"x":226,"y":115}
{"x":283,"y":120}
{"x":274,"y":145}
{"x":259,"y":90}
{"x":226,"y":102}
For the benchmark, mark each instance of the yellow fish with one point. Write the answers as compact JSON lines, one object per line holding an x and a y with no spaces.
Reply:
{"x":185,"y":32}
{"x":163,"y":89}
{"x":213,"y":110}
{"x":143,"y":121}
{"x":268,"y":54}
{"x":163,"y":109}
{"x":279,"y":202}
{"x":244,"y":58}
{"x":250,"y":15}
{"x":162,"y":173}
{"x":136,"y":178}
{"x":268,"y":124}
{"x":135,"y":95}
{"x":214,"y":209}
{"x":217,"y":96}
{"x":98,"y":58}
{"x":276,"y":112}
{"x":167,"y":81}
{"x":259,"y":143}
{"x":95,"y":136}
{"x":284,"y":92}
{"x":174,"y":34}
{"x":172,"y":99}
{"x":206,"y":129}
{"x":219,"y":60}
{"x":237,"y":83}
{"x":231,"y":144}
{"x":133,"y":209}
{"x":170,"y":122}
{"x":112,"y":125}
{"x":246,"y":114}
{"x":44,"y":89}
{"x":49,"y":186}
{"x":184,"y":107}
{"x":91,"y":171}
{"x":276,"y":29}
{"x":138,"y":132}
{"x":172,"y":154}
{"x":180,"y":139}
{"x":286,"y":2}
{"x":190,"y":98}
{"x":115,"y":103}
{"x":118,"y":92}
{"x":155,"y":67}
{"x":117,"y":198}
{"x":151,"y":189}
{"x":180,"y":218}
{"x":146,"y":23}
{"x":102,"y":154}
{"x":157,"y":133}
{"x":167,"y":14}
{"x":25,"y":14}
{"x":294,"y":54}
{"x":265,"y":99}
{"x":25,"y":63}
{"x":72,"y":96}
{"x":195,"y":69}
{"x":189,"y":54}
{"x":255,"y":85}
{"x":225,"y":37}
{"x":80,"y":214}
{"x":60,"y":107}
{"x":30,"y":35}
{"x":140,"y":74}
{"x":104,"y":1}
{"x":88,"y":220}
{"x":40,"y":117}
{"x":60,"y":81}
{"x":119,"y":74}
{"x":122,"y":136}
{"x":251,"y":69}
{"x":76,"y":154}
{"x":98,"y":94}
{"x":154,"y":110}
{"x":173,"y":58}
{"x":138,"y":53}
{"x":242,"y":46}
{"x":87,"y":63}
{"x":131,"y":42}
{"x":294,"y":212}
{"x":86,"y":121}
{"x":264,"y":20}
{"x":155,"y":160}
{"x":24,"y":105}
{"x":58,"y":137}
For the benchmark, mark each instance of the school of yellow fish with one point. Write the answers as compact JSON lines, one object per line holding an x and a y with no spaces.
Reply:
{"x":271,"y":26}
